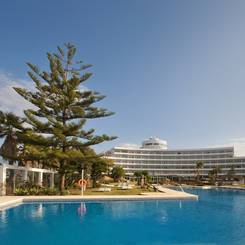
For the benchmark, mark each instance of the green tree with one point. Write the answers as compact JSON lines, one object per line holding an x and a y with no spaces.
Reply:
{"x":138,"y":176}
{"x":94,"y":165}
{"x":98,"y":168}
{"x":146,"y":176}
{"x":231,"y":173}
{"x":117,"y":173}
{"x":199,"y":167}
{"x":145,"y":173}
{"x":211,"y":177}
{"x":74,"y":172}
{"x":213,"y":174}
{"x":10,"y":124}
{"x":142,"y":177}
{"x":62,"y":108}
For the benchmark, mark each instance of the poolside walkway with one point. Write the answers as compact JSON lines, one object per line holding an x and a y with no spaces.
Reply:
{"x":163,"y":191}
{"x":6,"y":201}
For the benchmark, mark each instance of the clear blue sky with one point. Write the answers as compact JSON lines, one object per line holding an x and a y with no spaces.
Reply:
{"x":172,"y":69}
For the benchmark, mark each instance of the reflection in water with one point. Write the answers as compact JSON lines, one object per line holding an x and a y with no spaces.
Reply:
{"x":81,"y":211}
{"x":162,"y":216}
{"x":3,"y":218}
{"x":54,"y":208}
{"x":180,"y":204}
{"x":123,"y":210}
{"x":37,"y":212}
{"x":129,"y":210}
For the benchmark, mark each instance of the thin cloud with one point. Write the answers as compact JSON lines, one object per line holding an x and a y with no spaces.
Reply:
{"x":9,"y":100}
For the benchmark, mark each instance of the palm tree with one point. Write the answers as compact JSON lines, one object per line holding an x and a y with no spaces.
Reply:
{"x":142,"y":177}
{"x":199,"y":166}
{"x":231,"y":173}
{"x":146,"y":176}
{"x":138,"y":176}
{"x":217,"y":170}
{"x":10,"y":124}
{"x":213,"y":174}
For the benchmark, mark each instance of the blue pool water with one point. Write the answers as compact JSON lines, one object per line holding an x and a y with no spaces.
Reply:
{"x":217,"y":218}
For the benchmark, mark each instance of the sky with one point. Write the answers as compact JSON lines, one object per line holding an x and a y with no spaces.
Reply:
{"x":170,"y":69}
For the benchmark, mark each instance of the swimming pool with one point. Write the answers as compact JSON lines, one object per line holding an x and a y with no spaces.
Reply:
{"x":217,"y":218}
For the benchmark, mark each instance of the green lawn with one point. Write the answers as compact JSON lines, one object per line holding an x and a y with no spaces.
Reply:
{"x":114,"y":191}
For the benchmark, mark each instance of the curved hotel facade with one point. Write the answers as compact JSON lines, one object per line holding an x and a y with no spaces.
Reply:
{"x":155,"y":157}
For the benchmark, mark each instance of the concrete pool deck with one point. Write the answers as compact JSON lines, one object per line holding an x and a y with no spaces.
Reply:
{"x":8,"y":201}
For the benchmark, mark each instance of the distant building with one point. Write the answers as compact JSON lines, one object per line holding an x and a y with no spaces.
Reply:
{"x":155,"y":157}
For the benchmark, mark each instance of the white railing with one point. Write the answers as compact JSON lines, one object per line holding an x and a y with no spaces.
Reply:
{"x":181,"y":188}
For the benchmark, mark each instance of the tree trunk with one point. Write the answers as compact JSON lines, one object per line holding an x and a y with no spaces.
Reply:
{"x":62,"y":176}
{"x":94,"y":182}
{"x":62,"y":183}
{"x":142,"y":182}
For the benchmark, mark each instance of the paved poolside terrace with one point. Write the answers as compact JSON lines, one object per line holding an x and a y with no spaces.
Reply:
{"x":9,"y":201}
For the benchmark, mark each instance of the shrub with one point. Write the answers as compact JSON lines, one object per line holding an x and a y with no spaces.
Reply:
{"x":50,"y":191}
{"x":28,"y":189}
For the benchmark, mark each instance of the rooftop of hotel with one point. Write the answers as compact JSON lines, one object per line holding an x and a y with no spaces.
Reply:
{"x":157,"y":144}
{"x":154,"y":143}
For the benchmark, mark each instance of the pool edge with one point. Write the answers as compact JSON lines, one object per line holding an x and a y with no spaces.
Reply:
{"x":9,"y":202}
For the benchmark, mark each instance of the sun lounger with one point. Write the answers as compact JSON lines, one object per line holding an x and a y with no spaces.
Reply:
{"x":124,"y":186}
{"x":107,"y":185}
{"x":104,"y":189}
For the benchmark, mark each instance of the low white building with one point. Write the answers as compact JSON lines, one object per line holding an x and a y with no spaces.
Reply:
{"x":155,"y":157}
{"x":20,"y":174}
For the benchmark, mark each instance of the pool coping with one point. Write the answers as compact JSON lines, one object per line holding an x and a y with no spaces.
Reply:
{"x":9,"y":201}
{"x":232,"y":187}
{"x":215,"y":187}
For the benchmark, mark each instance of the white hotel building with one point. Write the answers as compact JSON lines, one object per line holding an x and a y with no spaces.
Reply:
{"x":155,"y":157}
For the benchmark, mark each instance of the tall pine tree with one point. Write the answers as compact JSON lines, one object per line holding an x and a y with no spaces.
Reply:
{"x":10,"y":124}
{"x":62,"y":108}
